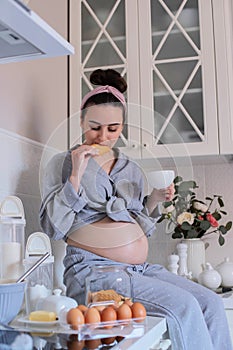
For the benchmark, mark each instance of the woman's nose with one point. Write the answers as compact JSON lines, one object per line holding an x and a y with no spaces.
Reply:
{"x":103,"y":134}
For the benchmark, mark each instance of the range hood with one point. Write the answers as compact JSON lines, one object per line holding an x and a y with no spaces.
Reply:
{"x":26,"y":36}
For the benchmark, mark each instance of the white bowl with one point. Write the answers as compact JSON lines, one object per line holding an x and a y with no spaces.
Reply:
{"x":11,"y":300}
{"x":161,"y":178}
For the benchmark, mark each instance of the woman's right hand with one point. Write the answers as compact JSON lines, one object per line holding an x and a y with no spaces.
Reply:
{"x":80,"y":157}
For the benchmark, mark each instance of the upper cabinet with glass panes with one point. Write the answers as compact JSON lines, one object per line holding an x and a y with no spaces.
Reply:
{"x":165,"y":50}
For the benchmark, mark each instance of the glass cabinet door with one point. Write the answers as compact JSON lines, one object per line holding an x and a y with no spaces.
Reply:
{"x":181,"y":78}
{"x":102,"y":42}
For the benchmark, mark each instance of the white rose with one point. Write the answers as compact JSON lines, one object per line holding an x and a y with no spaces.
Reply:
{"x":188,"y":217}
{"x":168,"y":209}
{"x":200,"y":206}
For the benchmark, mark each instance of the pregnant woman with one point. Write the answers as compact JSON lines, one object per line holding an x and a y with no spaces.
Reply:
{"x":93,"y":199}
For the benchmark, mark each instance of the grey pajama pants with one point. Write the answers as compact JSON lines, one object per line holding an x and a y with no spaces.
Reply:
{"x":195,"y":315}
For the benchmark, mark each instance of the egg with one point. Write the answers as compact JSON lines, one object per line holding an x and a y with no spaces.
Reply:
{"x":92,"y":344}
{"x":76,"y":344}
{"x":82,"y":307}
{"x":108,"y":314}
{"x":124,"y":312}
{"x":138,"y":311}
{"x":92,"y":315}
{"x":108,"y":341}
{"x":75,"y":318}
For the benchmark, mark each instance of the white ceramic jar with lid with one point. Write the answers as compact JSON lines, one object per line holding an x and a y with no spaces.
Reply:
{"x":225,"y":269}
{"x":56,"y":302}
{"x":209,"y":277}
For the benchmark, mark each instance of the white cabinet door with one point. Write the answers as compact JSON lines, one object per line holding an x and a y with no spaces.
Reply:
{"x":223,"y":20}
{"x":179,"y":115}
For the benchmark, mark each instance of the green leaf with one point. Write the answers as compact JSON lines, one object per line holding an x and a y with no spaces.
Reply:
{"x":205,"y":225}
{"x":222,"y":229}
{"x":185,"y":186}
{"x":192,"y":234}
{"x":177,"y":229}
{"x":229,"y":225}
{"x":177,"y":179}
{"x":186,"y":226}
{"x":162,"y":217}
{"x":220,"y":202}
{"x":177,"y":235}
{"x":223,"y":212}
{"x":221,"y":240}
{"x":217,"y":215}
{"x":167,"y":204}
{"x":208,"y":198}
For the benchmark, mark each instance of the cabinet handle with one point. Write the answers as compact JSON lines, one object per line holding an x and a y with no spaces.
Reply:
{"x":145,"y":145}
{"x":163,"y":345}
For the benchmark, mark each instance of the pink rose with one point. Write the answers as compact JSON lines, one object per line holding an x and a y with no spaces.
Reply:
{"x":213,"y":222}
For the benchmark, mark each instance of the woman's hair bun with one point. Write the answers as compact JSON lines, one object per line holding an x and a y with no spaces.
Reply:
{"x":108,"y":77}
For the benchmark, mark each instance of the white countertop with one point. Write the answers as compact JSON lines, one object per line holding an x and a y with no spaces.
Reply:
{"x":155,"y":329}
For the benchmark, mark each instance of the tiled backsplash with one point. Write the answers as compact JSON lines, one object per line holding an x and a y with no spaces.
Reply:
{"x":21,"y":160}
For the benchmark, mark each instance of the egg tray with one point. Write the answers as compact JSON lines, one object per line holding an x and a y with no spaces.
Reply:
{"x":125,"y":327}
{"x":132,"y":327}
{"x":129,"y":328}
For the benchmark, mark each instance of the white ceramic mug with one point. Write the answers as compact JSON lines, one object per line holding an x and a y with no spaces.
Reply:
{"x":161,"y":178}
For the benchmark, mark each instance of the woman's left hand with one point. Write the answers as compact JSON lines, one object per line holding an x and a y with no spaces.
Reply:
{"x":156,"y":196}
{"x":165,"y":194}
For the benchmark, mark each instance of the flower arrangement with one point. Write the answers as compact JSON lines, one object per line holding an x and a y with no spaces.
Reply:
{"x":189,"y":217}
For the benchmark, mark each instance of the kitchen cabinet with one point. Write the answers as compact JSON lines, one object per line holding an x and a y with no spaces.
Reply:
{"x":170,"y":54}
{"x":223,"y":16}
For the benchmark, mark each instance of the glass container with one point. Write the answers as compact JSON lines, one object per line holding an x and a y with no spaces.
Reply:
{"x":40,"y":281}
{"x":12,"y":238}
{"x":106,"y":280}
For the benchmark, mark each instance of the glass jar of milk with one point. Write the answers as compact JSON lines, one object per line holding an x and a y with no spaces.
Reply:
{"x":40,"y":281}
{"x":12,"y":238}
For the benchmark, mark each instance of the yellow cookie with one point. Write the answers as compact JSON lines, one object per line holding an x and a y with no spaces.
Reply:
{"x":102,"y":149}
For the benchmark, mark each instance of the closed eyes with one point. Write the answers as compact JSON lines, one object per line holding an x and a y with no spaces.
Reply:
{"x":110,"y":129}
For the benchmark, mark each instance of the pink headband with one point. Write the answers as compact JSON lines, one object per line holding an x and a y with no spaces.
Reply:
{"x":106,"y":88}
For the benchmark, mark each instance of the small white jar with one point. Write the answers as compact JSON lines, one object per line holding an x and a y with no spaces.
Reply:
{"x":209,"y":277}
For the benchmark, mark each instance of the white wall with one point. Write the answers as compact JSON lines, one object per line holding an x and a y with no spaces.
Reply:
{"x":33,"y":94}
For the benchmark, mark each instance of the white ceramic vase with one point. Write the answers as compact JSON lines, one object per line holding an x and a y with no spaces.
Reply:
{"x":195,"y":256}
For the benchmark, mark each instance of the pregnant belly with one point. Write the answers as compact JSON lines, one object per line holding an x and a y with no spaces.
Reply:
{"x":118,"y":241}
